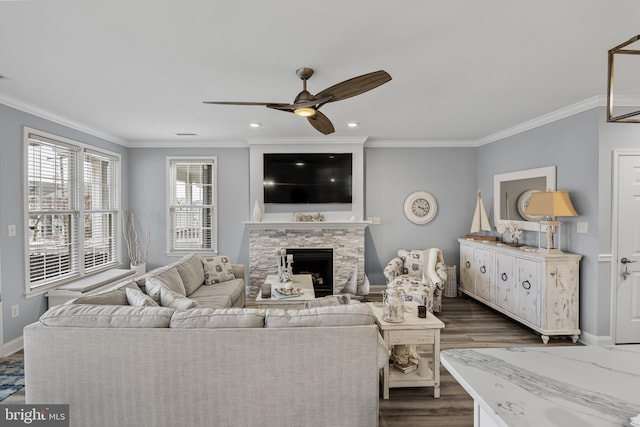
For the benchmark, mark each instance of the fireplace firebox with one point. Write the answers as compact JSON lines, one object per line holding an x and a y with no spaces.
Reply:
{"x":319,"y":263}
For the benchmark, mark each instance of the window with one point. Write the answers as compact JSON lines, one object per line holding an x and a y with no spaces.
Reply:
{"x":192,"y":207}
{"x":72,"y":212}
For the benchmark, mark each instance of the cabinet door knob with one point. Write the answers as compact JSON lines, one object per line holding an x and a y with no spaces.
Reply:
{"x":483,"y":269}
{"x":467,"y":264}
{"x":526,"y":284}
{"x":504,"y":277}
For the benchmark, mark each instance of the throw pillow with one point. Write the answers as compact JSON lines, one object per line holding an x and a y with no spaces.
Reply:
{"x":217,"y":270}
{"x":169,"y":279}
{"x":351,"y":287}
{"x":168,"y":298}
{"x":138,"y":299}
{"x":413,"y":260}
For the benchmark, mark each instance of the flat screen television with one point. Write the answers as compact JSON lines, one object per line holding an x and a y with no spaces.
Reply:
{"x":304,"y":178}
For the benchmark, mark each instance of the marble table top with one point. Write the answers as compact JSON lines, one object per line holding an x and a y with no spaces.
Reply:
{"x":584,"y":386}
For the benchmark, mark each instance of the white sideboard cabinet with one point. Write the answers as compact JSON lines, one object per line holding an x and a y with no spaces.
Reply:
{"x":537,"y":289}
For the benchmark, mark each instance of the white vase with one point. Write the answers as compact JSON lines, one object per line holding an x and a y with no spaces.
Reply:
{"x":257,"y":212}
{"x":139,"y":269}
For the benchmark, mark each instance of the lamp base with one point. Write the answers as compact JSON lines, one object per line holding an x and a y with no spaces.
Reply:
{"x":550,"y":226}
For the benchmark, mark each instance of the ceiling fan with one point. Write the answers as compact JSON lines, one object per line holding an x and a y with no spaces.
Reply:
{"x":307,"y":105}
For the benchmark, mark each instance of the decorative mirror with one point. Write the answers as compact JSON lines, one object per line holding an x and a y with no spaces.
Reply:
{"x":511,"y":193}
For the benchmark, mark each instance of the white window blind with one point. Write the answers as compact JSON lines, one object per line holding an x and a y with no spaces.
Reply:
{"x":101,"y":210}
{"x":72,"y":211}
{"x":53,"y":215}
{"x":192,"y":222}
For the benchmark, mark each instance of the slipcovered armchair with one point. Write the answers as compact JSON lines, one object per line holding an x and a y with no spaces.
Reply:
{"x":420,"y":274}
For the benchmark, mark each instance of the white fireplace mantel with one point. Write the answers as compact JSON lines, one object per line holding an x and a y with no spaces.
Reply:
{"x":289,"y":225}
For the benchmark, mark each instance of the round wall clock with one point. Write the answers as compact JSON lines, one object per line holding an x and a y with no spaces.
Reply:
{"x":420,"y":207}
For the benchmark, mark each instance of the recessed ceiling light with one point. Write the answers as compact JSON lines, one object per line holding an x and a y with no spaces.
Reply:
{"x":255,"y":125}
{"x":352,"y":125}
{"x":185,"y":134}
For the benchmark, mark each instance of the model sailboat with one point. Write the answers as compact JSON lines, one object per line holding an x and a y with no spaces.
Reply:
{"x":480,"y":222}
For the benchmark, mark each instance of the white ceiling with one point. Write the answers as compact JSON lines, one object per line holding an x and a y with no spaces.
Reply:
{"x":138,"y":70}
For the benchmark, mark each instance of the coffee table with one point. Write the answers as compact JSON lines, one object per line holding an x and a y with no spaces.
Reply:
{"x":302,"y":281}
{"x":423,"y":332}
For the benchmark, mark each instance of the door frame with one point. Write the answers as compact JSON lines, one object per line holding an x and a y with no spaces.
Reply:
{"x":615,"y":194}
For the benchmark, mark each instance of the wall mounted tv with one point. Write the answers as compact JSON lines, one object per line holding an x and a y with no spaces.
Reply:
{"x":304,"y":178}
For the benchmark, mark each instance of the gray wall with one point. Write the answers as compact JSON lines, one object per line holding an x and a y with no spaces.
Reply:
{"x":572,"y":145}
{"x":148,"y":195}
{"x":391,"y":174}
{"x":12,"y":249}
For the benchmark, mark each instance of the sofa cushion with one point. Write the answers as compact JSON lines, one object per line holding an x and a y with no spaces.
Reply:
{"x":110,"y":297}
{"x":217,"y":270}
{"x":232,"y":289}
{"x":169,"y":279}
{"x":339,"y":315}
{"x":328,"y":301}
{"x":169,"y":298}
{"x":218,"y":318}
{"x":138,"y":299}
{"x":191,"y":272}
{"x":107,"y":316}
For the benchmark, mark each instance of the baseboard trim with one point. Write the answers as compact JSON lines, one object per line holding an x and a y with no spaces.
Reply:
{"x":12,"y":346}
{"x":590,"y":339}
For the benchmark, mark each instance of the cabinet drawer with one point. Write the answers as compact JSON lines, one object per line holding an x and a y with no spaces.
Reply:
{"x":411,"y":337}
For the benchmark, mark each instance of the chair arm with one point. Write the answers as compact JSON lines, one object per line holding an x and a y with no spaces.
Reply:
{"x":434,"y":269}
{"x":393,"y":269}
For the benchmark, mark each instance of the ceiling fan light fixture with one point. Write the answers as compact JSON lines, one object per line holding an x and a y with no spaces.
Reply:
{"x":304,"y":112}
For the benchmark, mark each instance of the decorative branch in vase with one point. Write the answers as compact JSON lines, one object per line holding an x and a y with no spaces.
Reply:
{"x":136,"y":251}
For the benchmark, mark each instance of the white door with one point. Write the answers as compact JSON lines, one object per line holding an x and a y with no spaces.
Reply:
{"x":627,"y":263}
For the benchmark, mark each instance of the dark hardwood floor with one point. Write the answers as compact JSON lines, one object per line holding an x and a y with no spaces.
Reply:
{"x":468,"y":324}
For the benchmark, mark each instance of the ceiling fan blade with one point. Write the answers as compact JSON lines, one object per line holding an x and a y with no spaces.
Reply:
{"x":241,"y":103}
{"x":291,"y":107}
{"x":321,"y":123}
{"x":355,"y":86}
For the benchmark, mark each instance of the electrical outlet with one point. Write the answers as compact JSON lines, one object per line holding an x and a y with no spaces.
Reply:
{"x":11,"y":228}
{"x":15,"y":311}
{"x":582,"y":227}
{"x":376,"y":220}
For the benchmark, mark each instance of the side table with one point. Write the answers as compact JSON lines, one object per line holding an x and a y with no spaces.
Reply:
{"x":423,"y":332}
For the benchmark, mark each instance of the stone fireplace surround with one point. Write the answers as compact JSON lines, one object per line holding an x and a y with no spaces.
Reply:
{"x":345,"y":238}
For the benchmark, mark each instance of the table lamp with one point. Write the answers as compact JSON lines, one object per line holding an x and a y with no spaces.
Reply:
{"x":550,"y":204}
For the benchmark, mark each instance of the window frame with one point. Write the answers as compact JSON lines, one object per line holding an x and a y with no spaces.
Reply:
{"x":170,"y":197}
{"x":79,"y":211}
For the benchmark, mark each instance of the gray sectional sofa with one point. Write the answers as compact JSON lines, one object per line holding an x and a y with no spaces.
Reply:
{"x":118,"y":365}
{"x":185,"y":353}
{"x":186,"y":283}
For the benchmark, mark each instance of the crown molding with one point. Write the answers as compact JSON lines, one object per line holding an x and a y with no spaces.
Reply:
{"x":579,"y":107}
{"x":462,"y":143}
{"x":184,"y":143}
{"x":43,"y":114}
{"x":325,"y":140}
